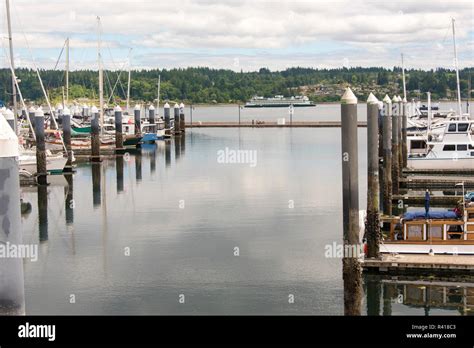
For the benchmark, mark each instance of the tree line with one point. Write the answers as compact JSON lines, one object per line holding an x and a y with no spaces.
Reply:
{"x":206,"y":85}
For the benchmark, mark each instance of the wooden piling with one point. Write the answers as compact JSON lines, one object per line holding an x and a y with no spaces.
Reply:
{"x":395,"y":147}
{"x":66,"y":125}
{"x":12,"y":290}
{"x":350,"y":205}
{"x":166,"y":109}
{"x":41,"y":171}
{"x":118,"y":130}
{"x":387,"y":155}
{"x":177,"y":126}
{"x":151,"y":114}
{"x":372,"y":224}
{"x":182,"y":123}
{"x":137,"y":119}
{"x":95,"y":135}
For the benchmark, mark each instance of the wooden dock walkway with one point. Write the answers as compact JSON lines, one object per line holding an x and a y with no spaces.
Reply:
{"x":271,"y":124}
{"x":420,"y":200}
{"x":417,"y":263}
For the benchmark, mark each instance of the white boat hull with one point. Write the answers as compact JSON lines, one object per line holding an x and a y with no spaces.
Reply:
{"x":441,"y":249}
{"x":54,"y":164}
{"x":440,"y":163}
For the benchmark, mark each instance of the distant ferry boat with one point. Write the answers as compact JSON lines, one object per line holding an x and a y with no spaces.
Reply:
{"x":278,"y":101}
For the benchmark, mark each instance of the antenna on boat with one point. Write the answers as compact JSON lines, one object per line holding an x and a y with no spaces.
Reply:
{"x":456,"y":67}
{"x":12,"y":64}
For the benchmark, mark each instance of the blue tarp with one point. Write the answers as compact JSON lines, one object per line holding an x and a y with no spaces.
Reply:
{"x":415,"y":215}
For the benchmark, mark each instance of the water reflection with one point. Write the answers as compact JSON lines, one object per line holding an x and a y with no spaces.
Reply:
{"x":419,"y":296}
{"x":177,"y":148}
{"x":168,"y":152}
{"x":96,"y":169}
{"x":119,"y":173}
{"x":190,"y":250}
{"x":138,"y":166}
{"x":43,"y":212}
{"x":69,"y":202}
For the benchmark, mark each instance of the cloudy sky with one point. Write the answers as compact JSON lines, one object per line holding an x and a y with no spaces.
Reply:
{"x":242,"y":34}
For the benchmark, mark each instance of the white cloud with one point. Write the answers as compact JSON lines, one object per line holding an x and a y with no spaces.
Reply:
{"x":194,"y":32}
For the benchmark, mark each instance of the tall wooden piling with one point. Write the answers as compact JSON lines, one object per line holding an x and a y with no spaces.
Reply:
{"x":395,"y":147}
{"x":166,"y":112}
{"x":350,"y":204}
{"x":95,"y":135}
{"x":151,"y":114}
{"x":182,"y":124}
{"x":41,"y":170}
{"x":404,"y":133}
{"x":12,"y":289}
{"x":177,"y":126}
{"x":118,"y":130}
{"x":372,"y":225}
{"x":387,"y":155}
{"x":66,"y":125}
{"x":137,"y":119}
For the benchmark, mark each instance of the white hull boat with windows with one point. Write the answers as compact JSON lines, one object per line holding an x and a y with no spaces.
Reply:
{"x":452,"y":149}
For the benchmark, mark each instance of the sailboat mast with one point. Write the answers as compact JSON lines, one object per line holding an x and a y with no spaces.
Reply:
{"x":101,"y":77}
{"x":403,"y":79}
{"x":128,"y":86}
{"x":12,"y":64}
{"x":67,"y":71}
{"x":158,"y":98}
{"x":457,"y":69}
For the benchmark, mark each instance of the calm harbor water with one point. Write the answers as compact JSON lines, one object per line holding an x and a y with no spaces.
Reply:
{"x":322,"y":112}
{"x":131,"y":236}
